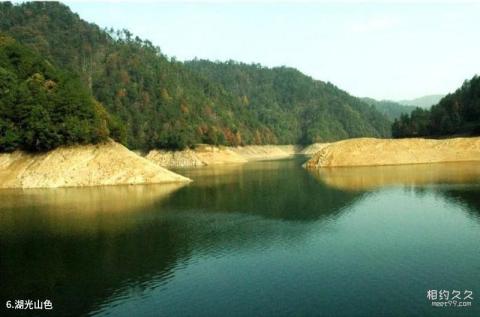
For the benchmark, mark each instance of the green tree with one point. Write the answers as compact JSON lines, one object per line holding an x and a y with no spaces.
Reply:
{"x":42,"y":107}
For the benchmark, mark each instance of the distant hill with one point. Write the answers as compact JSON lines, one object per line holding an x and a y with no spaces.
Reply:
{"x":457,"y":113}
{"x":424,"y":102}
{"x":393,"y":110}
{"x":164,"y":103}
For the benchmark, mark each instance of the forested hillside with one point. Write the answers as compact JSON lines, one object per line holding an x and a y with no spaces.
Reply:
{"x":393,"y":110}
{"x":456,"y":114}
{"x":293,"y":104}
{"x":165,"y":103}
{"x":42,"y":107}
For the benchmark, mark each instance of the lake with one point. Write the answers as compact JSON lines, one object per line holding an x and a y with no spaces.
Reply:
{"x":261,"y":239}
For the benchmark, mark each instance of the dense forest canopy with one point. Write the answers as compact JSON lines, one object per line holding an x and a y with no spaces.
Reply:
{"x":165,"y":103}
{"x":42,"y":107}
{"x":298,"y":108}
{"x":456,"y":114}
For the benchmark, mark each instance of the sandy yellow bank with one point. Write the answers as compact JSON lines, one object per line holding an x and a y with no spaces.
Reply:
{"x":370,"y":152}
{"x":84,"y":165}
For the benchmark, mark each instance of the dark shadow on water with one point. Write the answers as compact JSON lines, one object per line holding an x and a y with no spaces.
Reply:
{"x":468,"y":197}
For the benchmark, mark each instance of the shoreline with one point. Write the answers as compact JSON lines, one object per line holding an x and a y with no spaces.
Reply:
{"x":110,"y":163}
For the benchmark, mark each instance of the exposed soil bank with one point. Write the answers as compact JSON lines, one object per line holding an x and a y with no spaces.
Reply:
{"x":370,"y":151}
{"x":185,"y":158}
{"x":202,"y":155}
{"x":212,"y":155}
{"x":266,"y":152}
{"x":87,"y":165}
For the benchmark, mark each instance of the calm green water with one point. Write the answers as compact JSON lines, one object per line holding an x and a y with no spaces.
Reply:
{"x":262,"y":239}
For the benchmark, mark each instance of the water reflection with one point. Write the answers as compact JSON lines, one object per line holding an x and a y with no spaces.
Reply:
{"x":368,"y":178}
{"x":78,"y":210}
{"x":270,"y":189}
{"x":87,"y":248}
{"x":77,"y":246}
